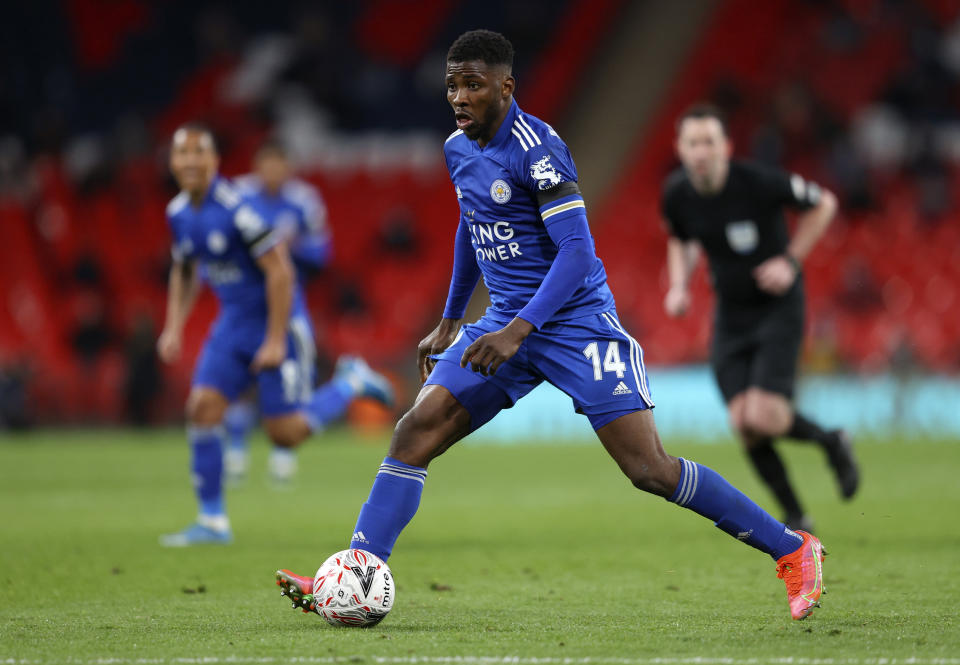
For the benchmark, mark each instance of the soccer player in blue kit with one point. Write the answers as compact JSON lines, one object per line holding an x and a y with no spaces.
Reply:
{"x":523,"y":227}
{"x":296,"y":210}
{"x":262,"y":334}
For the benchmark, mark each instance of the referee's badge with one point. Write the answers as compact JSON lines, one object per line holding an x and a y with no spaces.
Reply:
{"x":500,"y":191}
{"x":742,"y":236}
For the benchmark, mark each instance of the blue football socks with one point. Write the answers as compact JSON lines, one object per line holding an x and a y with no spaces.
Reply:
{"x":329,"y":403}
{"x":206,"y":445}
{"x":392,"y":503}
{"x":705,"y":492}
{"x":238,"y":421}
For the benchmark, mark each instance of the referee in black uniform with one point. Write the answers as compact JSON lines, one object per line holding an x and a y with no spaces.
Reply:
{"x":734,"y":212}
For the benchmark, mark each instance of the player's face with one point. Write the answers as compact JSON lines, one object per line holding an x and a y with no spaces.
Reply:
{"x":193,"y":160}
{"x":704,"y":150}
{"x":273,"y":169}
{"x":480,"y":96}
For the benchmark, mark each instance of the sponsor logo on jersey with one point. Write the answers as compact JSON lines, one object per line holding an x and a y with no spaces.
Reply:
{"x":500,"y":191}
{"x":543,"y":172}
{"x":223,"y":272}
{"x":459,"y":193}
{"x":216,"y":242}
{"x":742,"y":236}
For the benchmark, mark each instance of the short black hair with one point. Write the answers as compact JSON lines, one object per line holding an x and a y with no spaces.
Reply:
{"x":702,"y":111}
{"x":273,"y":147}
{"x":487,"y":46}
{"x":199,"y":128}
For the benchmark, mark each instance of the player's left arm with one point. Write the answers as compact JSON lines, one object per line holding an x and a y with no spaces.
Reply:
{"x":272,"y":257}
{"x":279,"y":280}
{"x":777,"y":274}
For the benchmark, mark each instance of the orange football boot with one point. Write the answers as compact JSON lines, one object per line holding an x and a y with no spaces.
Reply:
{"x":802,"y":571}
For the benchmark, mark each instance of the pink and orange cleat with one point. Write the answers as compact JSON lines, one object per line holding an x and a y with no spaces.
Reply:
{"x":802,"y":571}
{"x":298,"y":589}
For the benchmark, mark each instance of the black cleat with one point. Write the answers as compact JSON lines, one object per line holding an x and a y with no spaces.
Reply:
{"x":844,"y":464}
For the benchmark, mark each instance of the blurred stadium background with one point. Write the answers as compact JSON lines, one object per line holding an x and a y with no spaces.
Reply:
{"x":860,"y":95}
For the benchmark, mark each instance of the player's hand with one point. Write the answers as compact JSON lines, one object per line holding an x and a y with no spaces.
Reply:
{"x":677,"y":301}
{"x":489,"y":351}
{"x":169,"y":345}
{"x":434,"y":343}
{"x":270,"y":355}
{"x":775,"y":275}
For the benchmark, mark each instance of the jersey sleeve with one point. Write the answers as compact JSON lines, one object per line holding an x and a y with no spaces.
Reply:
{"x":544,"y":160}
{"x":256,"y":234}
{"x":788,"y":189}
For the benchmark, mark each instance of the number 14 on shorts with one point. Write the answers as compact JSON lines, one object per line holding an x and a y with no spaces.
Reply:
{"x":611,"y":360}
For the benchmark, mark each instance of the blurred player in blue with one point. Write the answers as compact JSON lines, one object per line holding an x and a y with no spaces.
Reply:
{"x":262,"y":334}
{"x":523,"y":227}
{"x":297,"y":213}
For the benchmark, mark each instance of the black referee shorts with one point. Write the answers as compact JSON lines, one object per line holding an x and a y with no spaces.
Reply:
{"x":757,"y":347}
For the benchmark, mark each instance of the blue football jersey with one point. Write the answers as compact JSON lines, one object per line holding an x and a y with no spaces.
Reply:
{"x":497,"y":188}
{"x":226,"y":235}
{"x":298,"y":213}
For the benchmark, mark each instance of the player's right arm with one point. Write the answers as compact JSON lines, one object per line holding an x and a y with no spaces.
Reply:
{"x":465,"y":276}
{"x":182,"y":289}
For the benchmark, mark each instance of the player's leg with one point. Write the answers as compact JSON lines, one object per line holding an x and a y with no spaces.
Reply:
{"x":769,"y":408}
{"x":597,"y":363}
{"x":732,"y":356}
{"x":221,"y":375}
{"x":205,"y":408}
{"x":434,"y":423}
{"x":454,"y":402}
{"x":292,"y":409}
{"x":238,"y":421}
{"x":353,"y":378}
{"x":633,"y":443}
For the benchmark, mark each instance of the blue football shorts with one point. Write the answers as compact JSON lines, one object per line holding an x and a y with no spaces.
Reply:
{"x":591,"y":358}
{"x":224,"y":364}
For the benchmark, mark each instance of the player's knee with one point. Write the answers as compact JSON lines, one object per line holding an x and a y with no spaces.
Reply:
{"x":425,"y":433}
{"x":761,"y":418}
{"x":415,"y":438}
{"x":205,"y":409}
{"x":287,"y":432}
{"x":655,"y":476}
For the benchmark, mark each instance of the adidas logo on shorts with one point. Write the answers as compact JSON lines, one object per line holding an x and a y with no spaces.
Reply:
{"x":622,"y":389}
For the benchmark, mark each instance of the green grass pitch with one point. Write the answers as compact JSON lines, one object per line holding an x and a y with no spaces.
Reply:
{"x":532,"y":554}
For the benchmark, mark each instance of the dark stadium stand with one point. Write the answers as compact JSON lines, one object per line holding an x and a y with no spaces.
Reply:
{"x":83,"y":259}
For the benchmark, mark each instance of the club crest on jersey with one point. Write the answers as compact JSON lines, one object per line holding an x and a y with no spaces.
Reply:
{"x":742,"y":236}
{"x":216,"y":242}
{"x":543,"y":172}
{"x":500,"y":191}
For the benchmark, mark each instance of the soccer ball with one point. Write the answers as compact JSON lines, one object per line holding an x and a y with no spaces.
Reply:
{"x":353,"y":588}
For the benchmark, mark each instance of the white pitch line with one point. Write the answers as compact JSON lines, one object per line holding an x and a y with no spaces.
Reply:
{"x":484,"y":660}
